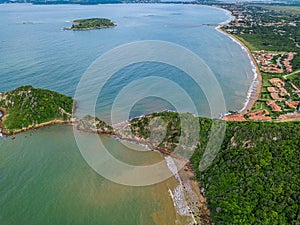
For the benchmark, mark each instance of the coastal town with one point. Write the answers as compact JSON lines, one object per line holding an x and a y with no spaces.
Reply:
{"x":271,"y":37}
{"x":250,"y":18}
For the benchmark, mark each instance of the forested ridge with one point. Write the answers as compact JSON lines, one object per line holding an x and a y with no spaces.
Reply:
{"x":255,"y":177}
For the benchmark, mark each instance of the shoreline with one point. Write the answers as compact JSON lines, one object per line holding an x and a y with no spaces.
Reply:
{"x":188,"y":198}
{"x":2,"y":113}
{"x":254,"y":91}
{"x":3,"y":132}
{"x":41,"y":125}
{"x":89,"y":28}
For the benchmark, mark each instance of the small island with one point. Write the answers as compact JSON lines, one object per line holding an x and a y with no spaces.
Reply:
{"x":91,"y":24}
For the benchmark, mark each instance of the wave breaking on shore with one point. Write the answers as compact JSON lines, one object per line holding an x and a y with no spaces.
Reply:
{"x":252,"y":91}
{"x":178,"y":195}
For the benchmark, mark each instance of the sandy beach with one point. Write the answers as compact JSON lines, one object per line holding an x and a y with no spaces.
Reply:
{"x":187,"y":197}
{"x":195,"y":199}
{"x":256,"y":86}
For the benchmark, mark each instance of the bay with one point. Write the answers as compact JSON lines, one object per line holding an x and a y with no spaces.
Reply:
{"x":43,"y":177}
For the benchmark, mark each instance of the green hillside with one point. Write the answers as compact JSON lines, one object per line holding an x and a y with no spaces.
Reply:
{"x":28,"y":106}
{"x":255,"y":177}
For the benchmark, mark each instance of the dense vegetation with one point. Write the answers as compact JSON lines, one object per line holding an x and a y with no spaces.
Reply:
{"x":255,"y":178}
{"x":27,"y":106}
{"x":93,"y":23}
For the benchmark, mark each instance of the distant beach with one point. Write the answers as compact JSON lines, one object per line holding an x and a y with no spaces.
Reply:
{"x":254,"y":91}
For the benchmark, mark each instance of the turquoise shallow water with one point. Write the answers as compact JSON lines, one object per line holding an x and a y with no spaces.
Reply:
{"x":43,"y":177}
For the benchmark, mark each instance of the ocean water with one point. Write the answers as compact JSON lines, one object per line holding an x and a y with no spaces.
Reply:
{"x":35,"y":50}
{"x":43,"y":177}
{"x":45,"y":180}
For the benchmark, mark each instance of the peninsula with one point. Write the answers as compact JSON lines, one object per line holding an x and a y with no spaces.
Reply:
{"x":91,"y":24}
{"x":261,"y":159}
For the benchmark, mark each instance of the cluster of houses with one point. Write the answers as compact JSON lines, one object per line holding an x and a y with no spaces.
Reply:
{"x":246,"y":18}
{"x":260,"y":115}
{"x":272,"y":104}
{"x":246,"y":21}
{"x":277,"y":91}
{"x":287,"y":61}
{"x":279,"y":95}
{"x":275,"y":62}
